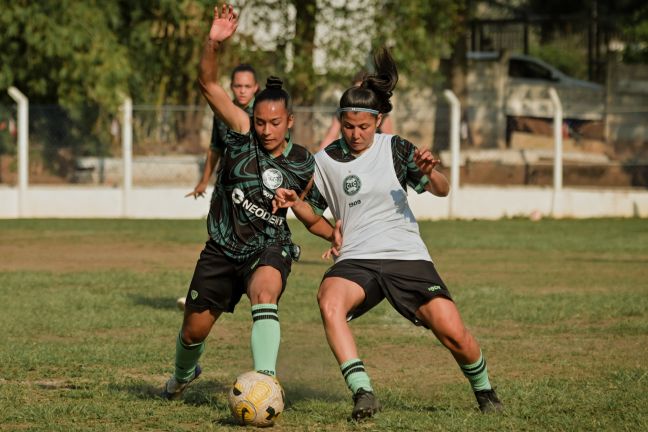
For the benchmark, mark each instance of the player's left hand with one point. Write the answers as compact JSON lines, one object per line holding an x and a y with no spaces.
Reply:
{"x":284,"y":198}
{"x":425,"y":161}
{"x":336,"y":242}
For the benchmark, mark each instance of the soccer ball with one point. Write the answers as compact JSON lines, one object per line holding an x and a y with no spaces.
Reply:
{"x":256,"y":399}
{"x":180,"y":303}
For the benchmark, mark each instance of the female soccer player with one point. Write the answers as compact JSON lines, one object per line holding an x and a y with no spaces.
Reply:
{"x":249,"y":250}
{"x":363,"y":178}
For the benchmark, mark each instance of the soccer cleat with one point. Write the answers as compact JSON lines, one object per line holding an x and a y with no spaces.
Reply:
{"x":173,"y":388}
{"x":488,"y":401}
{"x":365,"y":404}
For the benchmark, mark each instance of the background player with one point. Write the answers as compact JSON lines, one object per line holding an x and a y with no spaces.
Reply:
{"x":244,"y":87}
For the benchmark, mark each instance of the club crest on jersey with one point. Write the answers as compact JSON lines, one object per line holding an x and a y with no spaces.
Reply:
{"x":272,"y":178}
{"x":351,"y":184}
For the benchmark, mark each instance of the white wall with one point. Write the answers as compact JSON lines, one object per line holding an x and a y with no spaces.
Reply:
{"x":473,"y":202}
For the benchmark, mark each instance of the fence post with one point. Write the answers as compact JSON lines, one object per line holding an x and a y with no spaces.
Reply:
{"x":127,"y":154}
{"x":23,"y":147}
{"x":455,"y":118}
{"x":556,"y":203}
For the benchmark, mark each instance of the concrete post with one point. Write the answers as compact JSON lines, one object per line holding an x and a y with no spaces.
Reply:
{"x":455,"y":119}
{"x":556,"y":205}
{"x":127,"y":154}
{"x":23,"y":147}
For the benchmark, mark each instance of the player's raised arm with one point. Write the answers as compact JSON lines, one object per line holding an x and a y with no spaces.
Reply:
{"x":222,"y":28}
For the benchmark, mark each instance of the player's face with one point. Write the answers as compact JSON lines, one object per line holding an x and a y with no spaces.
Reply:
{"x":358,"y":129}
{"x":244,"y":87}
{"x":271,"y":123}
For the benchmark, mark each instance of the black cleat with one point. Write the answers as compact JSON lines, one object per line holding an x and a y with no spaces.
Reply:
{"x":488,"y":401}
{"x":365,"y":405}
{"x":173,"y":388}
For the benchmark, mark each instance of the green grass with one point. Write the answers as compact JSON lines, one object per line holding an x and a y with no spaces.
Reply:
{"x":560,"y":308}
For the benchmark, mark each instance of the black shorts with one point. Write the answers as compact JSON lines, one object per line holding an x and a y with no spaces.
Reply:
{"x":407,"y":285}
{"x":219,"y":281}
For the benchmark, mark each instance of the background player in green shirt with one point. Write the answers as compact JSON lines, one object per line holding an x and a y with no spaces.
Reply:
{"x":250,"y":250}
{"x":244,"y":86}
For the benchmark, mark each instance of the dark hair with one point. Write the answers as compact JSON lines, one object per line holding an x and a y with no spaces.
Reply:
{"x":243,"y":67}
{"x":274,"y":91}
{"x":376,"y":88}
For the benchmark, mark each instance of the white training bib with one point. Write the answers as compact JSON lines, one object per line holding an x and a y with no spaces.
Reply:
{"x":365,"y":194}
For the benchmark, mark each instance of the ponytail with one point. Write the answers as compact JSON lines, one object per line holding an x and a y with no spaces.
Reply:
{"x":376,"y":89}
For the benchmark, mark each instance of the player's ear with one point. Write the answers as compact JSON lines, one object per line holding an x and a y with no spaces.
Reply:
{"x":291,"y":120}
{"x":379,"y":120}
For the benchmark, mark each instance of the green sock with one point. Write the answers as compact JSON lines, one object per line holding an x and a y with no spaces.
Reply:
{"x":477,"y":374}
{"x":355,"y":375}
{"x":187,"y":358}
{"x":266,"y":336}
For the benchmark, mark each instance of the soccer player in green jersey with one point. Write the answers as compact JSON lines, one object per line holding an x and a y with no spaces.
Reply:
{"x":249,"y":250}
{"x":363,"y":179}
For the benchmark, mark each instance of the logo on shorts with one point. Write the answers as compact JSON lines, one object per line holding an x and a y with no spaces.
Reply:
{"x":434,"y":288}
{"x":351,"y":185}
{"x":237,"y":196}
{"x":272,"y":178}
{"x":194,"y":294}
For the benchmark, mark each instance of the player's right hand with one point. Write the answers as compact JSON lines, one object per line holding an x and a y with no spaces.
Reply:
{"x":199,"y":191}
{"x":224,"y":24}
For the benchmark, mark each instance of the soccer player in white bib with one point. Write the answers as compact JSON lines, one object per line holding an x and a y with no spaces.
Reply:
{"x":363,"y":177}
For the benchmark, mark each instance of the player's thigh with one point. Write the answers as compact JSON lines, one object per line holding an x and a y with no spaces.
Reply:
{"x":338,"y":295}
{"x":266,"y":274}
{"x":442,"y":316}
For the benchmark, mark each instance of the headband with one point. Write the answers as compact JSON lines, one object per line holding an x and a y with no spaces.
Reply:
{"x":356,"y":109}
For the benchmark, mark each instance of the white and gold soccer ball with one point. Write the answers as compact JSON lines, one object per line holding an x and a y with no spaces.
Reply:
{"x":256,"y":399}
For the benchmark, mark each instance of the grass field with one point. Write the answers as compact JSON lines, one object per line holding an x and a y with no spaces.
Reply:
{"x":88,"y":324}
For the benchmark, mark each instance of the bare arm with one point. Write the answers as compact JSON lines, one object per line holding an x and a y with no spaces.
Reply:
{"x":210,"y":164}
{"x":438,"y":184}
{"x":222,"y":28}
{"x":316,"y":224}
{"x":332,"y":133}
{"x":387,"y":125}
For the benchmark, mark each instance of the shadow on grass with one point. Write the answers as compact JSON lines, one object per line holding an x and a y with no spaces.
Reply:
{"x":163,"y":303}
{"x":199,"y":393}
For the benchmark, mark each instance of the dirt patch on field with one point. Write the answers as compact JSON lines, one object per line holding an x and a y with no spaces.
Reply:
{"x":60,"y":257}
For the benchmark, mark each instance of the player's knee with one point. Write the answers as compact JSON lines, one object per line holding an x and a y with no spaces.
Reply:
{"x":265,"y":297}
{"x":456,"y":340}
{"x":329,"y":307}
{"x":192,"y":336}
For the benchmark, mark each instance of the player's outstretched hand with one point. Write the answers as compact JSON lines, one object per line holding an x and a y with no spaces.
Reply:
{"x":224,"y":24}
{"x":284,"y":198}
{"x":425,"y":161}
{"x":199,"y":191}
{"x":336,"y":243}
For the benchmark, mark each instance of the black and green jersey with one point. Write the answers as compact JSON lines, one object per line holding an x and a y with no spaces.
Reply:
{"x":240,"y":217}
{"x":407,"y":172}
{"x":219,"y":130}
